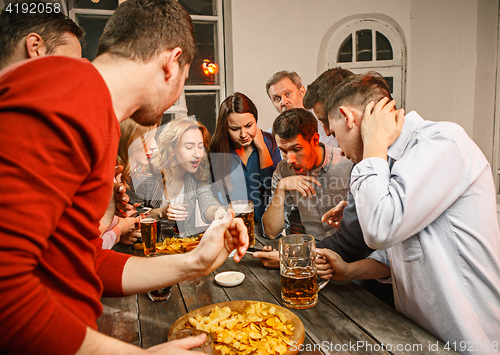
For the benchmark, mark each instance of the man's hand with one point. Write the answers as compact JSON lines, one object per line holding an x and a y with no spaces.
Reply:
{"x":270,"y":257}
{"x":331,"y":266}
{"x":380,"y":127}
{"x":301,"y":183}
{"x":219,"y":240}
{"x":179,"y":346}
{"x":334,"y":216}
{"x":220,"y":213}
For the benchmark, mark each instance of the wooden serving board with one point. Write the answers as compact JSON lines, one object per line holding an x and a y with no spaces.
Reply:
{"x":240,"y":306}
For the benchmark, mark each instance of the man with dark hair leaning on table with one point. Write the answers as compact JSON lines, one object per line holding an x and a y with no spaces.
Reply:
{"x":425,"y":199}
{"x":32,"y":34}
{"x":57,"y":158}
{"x":312,"y":177}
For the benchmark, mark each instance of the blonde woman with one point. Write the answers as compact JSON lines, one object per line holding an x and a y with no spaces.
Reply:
{"x":181,"y":158}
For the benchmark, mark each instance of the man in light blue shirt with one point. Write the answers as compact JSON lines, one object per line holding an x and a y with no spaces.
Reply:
{"x":425,"y":198}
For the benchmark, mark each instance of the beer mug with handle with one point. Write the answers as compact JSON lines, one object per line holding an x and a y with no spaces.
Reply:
{"x":299,"y":280}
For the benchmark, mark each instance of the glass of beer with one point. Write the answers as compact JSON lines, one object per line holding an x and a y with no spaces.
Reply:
{"x":149,"y":232}
{"x":299,"y":280}
{"x":161,"y":294}
{"x":244,"y":210}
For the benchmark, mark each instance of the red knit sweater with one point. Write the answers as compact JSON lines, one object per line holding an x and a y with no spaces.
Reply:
{"x":58,"y":143}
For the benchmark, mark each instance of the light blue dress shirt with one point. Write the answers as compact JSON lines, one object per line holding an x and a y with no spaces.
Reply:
{"x":433,"y":208}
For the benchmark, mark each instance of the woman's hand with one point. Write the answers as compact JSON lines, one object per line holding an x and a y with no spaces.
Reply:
{"x":130,"y":237}
{"x":258,"y":141}
{"x":177,"y":212}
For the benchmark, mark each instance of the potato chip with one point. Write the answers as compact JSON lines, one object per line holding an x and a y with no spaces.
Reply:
{"x":257,"y":330}
{"x":178,"y":245}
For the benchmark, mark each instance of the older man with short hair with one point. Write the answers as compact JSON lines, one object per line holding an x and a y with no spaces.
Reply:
{"x":286,"y":91}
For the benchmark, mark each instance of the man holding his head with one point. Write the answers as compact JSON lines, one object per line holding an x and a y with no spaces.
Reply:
{"x":28,"y":34}
{"x":425,"y":198}
{"x":54,"y":271}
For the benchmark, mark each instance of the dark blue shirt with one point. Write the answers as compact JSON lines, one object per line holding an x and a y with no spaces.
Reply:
{"x":250,"y":182}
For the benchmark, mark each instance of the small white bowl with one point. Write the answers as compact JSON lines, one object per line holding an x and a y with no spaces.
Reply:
{"x":229,"y":278}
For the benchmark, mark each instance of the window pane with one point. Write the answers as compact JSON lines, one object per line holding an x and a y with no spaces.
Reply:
{"x":199,"y":7}
{"x":345,"y":51}
{"x":390,"y":83}
{"x":205,"y":55}
{"x":384,"y":48}
{"x":93,"y":26}
{"x":364,"y":46}
{"x":203,"y":104}
{"x":166,"y":118}
{"x":99,"y":5}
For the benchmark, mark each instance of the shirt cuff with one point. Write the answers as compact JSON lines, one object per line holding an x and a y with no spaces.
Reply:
{"x":381,"y":257}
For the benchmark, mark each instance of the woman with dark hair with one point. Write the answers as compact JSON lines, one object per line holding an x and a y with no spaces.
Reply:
{"x":237,"y":142}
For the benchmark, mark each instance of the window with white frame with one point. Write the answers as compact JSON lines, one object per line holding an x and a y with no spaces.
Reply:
{"x":370,"y":44}
{"x":206,"y":83}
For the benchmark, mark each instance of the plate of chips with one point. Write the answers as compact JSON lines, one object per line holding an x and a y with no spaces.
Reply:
{"x":246,"y":328}
{"x":178,"y":245}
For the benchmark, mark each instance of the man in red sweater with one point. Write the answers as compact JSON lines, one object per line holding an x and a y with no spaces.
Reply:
{"x":58,"y":143}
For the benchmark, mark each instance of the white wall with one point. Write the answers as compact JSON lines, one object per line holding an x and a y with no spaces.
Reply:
{"x":269,"y":36}
{"x":450,"y":56}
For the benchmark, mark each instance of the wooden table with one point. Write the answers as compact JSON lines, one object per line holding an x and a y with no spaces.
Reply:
{"x":346,"y":320}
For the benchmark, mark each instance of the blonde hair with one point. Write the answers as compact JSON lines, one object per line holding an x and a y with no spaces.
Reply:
{"x":133,"y":138}
{"x":168,"y":139}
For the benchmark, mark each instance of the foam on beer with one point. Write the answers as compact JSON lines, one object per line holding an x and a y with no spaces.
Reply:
{"x":148,"y":220}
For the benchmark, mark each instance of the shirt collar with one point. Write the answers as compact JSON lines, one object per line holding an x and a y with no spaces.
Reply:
{"x":412,"y":120}
{"x":327,"y":159}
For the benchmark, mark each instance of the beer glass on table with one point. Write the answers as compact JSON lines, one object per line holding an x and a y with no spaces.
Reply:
{"x":244,"y":210}
{"x":149,"y":232}
{"x":299,"y":280}
{"x":161,"y":294}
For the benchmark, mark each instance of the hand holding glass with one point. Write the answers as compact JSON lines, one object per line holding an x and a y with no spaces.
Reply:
{"x":244,"y":210}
